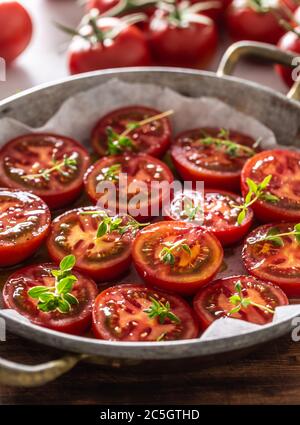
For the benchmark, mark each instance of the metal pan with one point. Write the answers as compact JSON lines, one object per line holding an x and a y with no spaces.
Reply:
{"x":34,"y":107}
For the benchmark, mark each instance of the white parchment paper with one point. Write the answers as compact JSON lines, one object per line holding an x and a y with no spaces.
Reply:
{"x":78,"y":115}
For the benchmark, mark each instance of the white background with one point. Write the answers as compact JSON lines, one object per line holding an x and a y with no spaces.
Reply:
{"x":45,"y":58}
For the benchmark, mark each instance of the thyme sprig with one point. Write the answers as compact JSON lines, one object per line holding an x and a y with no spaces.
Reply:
{"x":166,"y":255}
{"x":68,"y":163}
{"x":112,"y":173}
{"x":161,"y":311}
{"x":57,"y":297}
{"x":274,"y":236}
{"x":239,"y":301}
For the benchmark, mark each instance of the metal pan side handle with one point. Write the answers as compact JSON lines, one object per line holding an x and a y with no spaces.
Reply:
{"x":243,"y":49}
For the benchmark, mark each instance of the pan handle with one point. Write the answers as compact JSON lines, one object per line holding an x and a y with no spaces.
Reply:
{"x":272,"y":53}
{"x":20,"y":375}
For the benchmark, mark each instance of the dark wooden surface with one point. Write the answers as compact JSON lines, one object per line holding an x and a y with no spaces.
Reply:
{"x":269,"y":375}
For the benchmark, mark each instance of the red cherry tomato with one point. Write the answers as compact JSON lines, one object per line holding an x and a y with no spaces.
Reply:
{"x":195,"y":257}
{"x":180,"y":41}
{"x":24,"y":225}
{"x":139,"y":170}
{"x":102,"y":258}
{"x":284,"y":166}
{"x":289,"y":42}
{"x":272,"y":262}
{"x":119,"y":315}
{"x":77,"y":321}
{"x":213,"y":301}
{"x":153,"y":138}
{"x":219,"y":214}
{"x":125,"y":46}
{"x":247,"y":22}
{"x":26,"y":156}
{"x":197,"y":159}
{"x":216,"y":11}
{"x":16,"y":30}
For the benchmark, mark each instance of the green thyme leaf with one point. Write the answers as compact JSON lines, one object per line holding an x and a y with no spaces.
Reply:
{"x":161,"y":311}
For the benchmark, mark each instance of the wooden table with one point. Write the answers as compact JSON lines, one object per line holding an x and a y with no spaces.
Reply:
{"x":270,"y":375}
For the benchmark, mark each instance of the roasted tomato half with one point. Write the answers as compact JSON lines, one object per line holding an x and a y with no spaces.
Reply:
{"x":215,"y":156}
{"x":284,"y":167}
{"x":126,"y":184}
{"x":152,"y":138}
{"x":177,"y":256}
{"x":217,"y":212}
{"x":239,"y":297}
{"x":101,"y":255}
{"x":274,"y":258}
{"x":15,"y":295}
{"x":49,"y":165}
{"x":132,"y":312}
{"x":24,"y":224}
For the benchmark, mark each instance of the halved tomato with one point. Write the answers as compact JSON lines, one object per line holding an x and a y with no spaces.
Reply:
{"x":24,"y":224}
{"x":132,"y":193}
{"x":103,"y":258}
{"x":284,"y":166}
{"x":153,"y":138}
{"x":217,"y":212}
{"x":270,"y":261}
{"x":259,"y":298}
{"x":212,"y":155}
{"x":15,"y":296}
{"x":177,"y":256}
{"x":128,"y":313}
{"x":50,"y":165}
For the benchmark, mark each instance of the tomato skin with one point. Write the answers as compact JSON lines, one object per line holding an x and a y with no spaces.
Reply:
{"x":267,"y":212}
{"x":213,"y":178}
{"x":155,"y":275}
{"x":100,"y":271}
{"x":16,"y":30}
{"x":157,"y":144}
{"x":21,"y":245}
{"x":215,"y":13}
{"x":55,"y":197}
{"x":289,"y":42}
{"x":205,"y":301}
{"x":192,"y":46}
{"x":128,"y":48}
{"x":121,"y":294}
{"x":258,"y":266}
{"x":15,"y":297}
{"x":245,"y":23}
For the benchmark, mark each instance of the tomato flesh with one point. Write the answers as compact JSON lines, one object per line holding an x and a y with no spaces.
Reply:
{"x":24,"y":225}
{"x":197,"y":161}
{"x":119,"y":315}
{"x":284,"y":166}
{"x":139,"y":169}
{"x":212,"y":302}
{"x":15,"y":296}
{"x":268,"y":261}
{"x":190,"y":270}
{"x":153,"y":138}
{"x":102,"y":258}
{"x":28,"y":155}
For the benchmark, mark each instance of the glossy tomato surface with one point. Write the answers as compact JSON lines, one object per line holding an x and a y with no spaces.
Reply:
{"x":24,"y":225}
{"x":255,"y":22}
{"x":153,"y":138}
{"x":23,"y":158}
{"x":129,"y":191}
{"x":119,"y":315}
{"x":127,"y":48}
{"x":77,"y":321}
{"x":191,"y":44}
{"x":290,"y":42}
{"x":191,"y":268}
{"x":213,"y":301}
{"x":16,"y":30}
{"x":102,"y":258}
{"x":218,"y":213}
{"x":268,"y":261}
{"x":284,"y":166}
{"x":197,"y":160}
